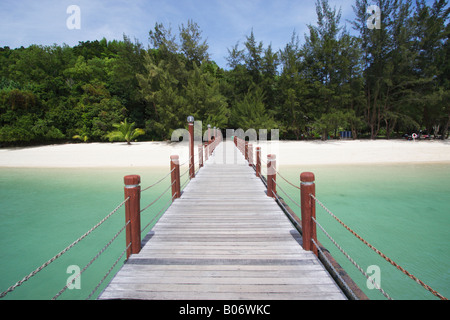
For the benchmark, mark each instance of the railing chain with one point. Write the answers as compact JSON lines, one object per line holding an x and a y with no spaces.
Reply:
{"x":350,"y":259}
{"x":437,"y":294}
{"x":26,"y":278}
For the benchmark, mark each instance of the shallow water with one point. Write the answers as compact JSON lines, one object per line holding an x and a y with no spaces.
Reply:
{"x":44,"y":210}
{"x":403,"y":210}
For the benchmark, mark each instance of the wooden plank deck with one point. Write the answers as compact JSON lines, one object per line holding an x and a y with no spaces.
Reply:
{"x":223,"y":239}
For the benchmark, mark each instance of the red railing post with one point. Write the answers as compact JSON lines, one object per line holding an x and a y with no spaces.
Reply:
{"x":132,"y":213}
{"x":250,"y":155}
{"x":258,"y":162}
{"x":200,"y":155}
{"x":271,"y":175}
{"x":175,"y":176}
{"x":308,"y":207}
{"x":246,"y":150}
{"x":206,"y":151}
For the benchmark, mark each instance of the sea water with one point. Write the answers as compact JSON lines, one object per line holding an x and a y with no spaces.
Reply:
{"x":402,"y":210}
{"x":42,"y":211}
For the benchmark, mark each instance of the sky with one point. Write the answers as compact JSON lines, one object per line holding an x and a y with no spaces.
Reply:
{"x":223,"y":22}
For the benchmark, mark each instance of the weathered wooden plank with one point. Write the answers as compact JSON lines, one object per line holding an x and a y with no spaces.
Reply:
{"x":288,"y":269}
{"x":149,"y":280}
{"x":209,"y":295}
{"x":276,"y":288}
{"x":223,"y":239}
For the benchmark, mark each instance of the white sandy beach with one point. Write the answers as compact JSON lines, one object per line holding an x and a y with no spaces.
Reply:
{"x":145,"y":154}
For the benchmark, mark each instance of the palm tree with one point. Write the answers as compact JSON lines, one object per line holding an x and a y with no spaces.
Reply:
{"x":83,"y":136}
{"x":125,"y":132}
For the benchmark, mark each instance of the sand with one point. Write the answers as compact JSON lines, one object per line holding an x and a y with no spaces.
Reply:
{"x":145,"y":154}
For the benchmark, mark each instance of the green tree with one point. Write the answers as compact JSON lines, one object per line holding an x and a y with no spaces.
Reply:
{"x":195,"y":50}
{"x":431,"y":31}
{"x":203,"y":98}
{"x":251,"y":113}
{"x":253,"y":57}
{"x":388,"y":59}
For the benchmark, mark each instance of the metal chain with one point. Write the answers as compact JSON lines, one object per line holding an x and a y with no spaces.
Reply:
{"x":108,"y":272}
{"x":292,"y":219}
{"x":320,"y":250}
{"x":92,"y":260}
{"x":287,"y":180}
{"x":185,"y":183}
{"x":334,"y":270}
{"x":278,"y":186}
{"x":182,"y":164}
{"x":185,"y":172}
{"x":437,"y":294}
{"x":26,"y":278}
{"x":350,"y":259}
{"x":158,"y":181}
{"x":158,"y":197}
{"x":154,"y":218}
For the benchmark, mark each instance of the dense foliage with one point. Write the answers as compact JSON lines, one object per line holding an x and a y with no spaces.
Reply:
{"x":374,"y":82}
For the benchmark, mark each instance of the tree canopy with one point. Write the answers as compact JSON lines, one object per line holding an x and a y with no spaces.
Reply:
{"x":374,"y":82}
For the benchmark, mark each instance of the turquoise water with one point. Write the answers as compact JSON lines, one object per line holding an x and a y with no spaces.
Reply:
{"x":403,"y":210}
{"x":44,"y":210}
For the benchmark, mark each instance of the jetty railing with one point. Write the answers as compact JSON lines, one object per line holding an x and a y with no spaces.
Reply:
{"x":133,"y":215}
{"x":308,"y":223}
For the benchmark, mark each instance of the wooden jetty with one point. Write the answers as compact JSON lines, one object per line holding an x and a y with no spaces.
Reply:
{"x":224,"y":238}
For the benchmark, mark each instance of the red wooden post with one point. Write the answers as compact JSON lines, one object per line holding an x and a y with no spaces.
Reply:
{"x":132,"y":213}
{"x":250,"y":155}
{"x":271,"y":175}
{"x":191,"y":149}
{"x":246,"y":150}
{"x":206,"y":151}
{"x":308,"y":205}
{"x":200,"y":155}
{"x":235,"y":140}
{"x":258,"y":162}
{"x":175,"y":176}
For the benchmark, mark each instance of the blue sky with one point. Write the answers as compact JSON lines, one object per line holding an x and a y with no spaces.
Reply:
{"x":223,"y":22}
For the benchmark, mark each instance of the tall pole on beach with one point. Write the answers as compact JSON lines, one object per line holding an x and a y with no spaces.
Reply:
{"x":190,"y":120}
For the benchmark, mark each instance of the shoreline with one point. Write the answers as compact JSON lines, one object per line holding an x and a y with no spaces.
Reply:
{"x":289,"y":153}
